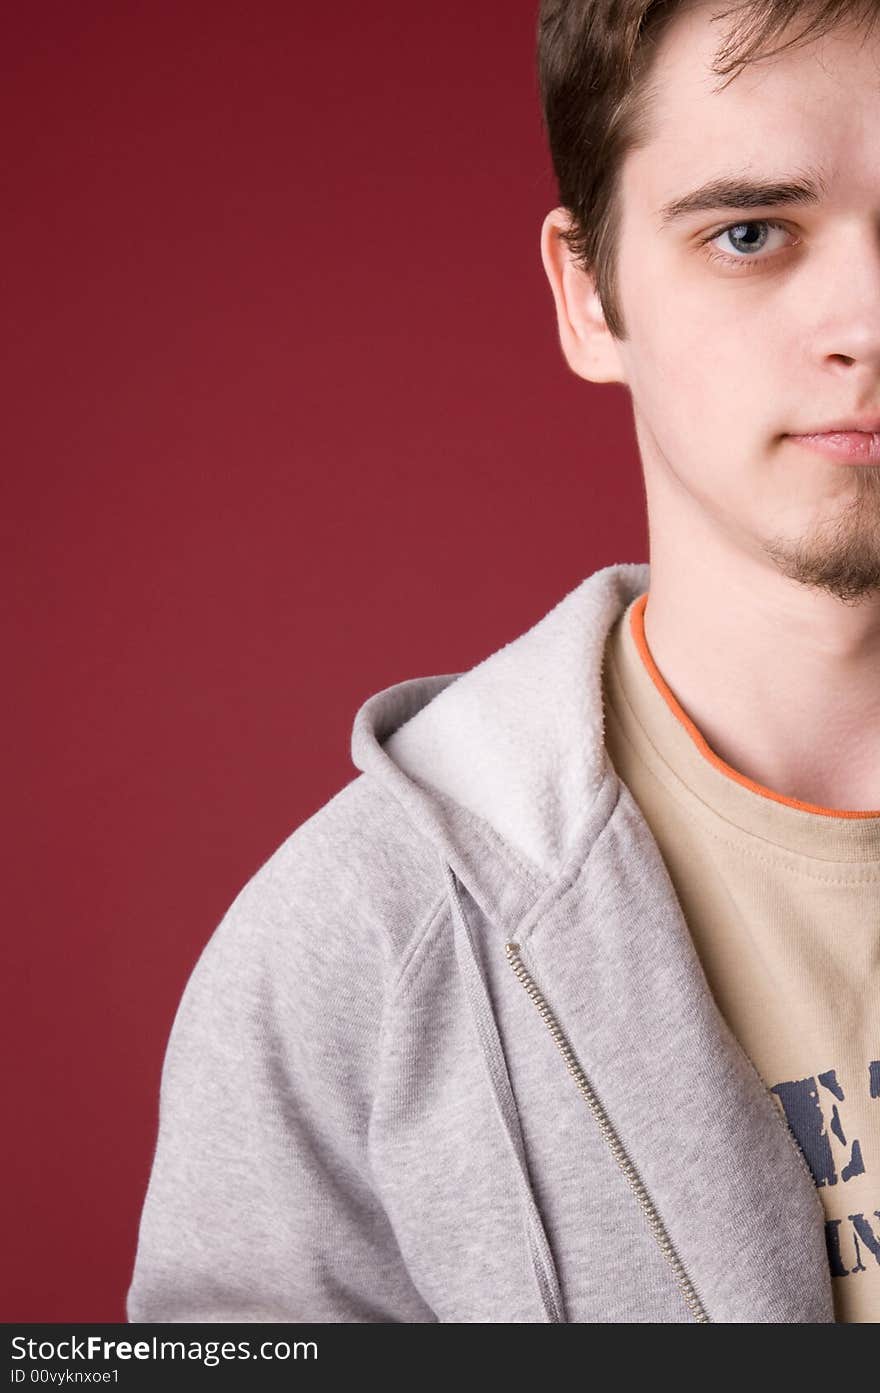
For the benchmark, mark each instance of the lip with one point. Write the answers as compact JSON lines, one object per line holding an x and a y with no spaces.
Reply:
{"x":849,"y":446}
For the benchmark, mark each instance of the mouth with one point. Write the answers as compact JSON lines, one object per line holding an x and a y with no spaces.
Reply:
{"x":847,"y":446}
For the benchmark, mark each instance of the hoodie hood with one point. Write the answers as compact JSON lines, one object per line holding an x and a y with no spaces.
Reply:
{"x":503,"y":766}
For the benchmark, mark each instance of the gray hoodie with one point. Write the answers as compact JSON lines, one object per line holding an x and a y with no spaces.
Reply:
{"x":450,"y":1054}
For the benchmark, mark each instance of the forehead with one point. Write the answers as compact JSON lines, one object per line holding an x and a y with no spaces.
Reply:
{"x":816,"y":105}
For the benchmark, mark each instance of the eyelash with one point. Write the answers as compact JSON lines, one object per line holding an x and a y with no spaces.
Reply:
{"x":743,"y":261}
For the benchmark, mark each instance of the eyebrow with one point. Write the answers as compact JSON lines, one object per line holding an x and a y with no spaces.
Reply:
{"x":738,"y":191}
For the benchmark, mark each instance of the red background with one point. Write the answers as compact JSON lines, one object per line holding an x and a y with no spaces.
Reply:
{"x":287,"y":421}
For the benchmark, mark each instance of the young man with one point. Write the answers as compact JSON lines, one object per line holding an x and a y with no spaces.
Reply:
{"x":567,"y":1007}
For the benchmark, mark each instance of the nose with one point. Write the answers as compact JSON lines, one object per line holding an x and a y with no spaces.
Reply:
{"x":846,"y":334}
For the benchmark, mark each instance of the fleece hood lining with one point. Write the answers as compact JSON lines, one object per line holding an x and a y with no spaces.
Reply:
{"x":501,"y":766}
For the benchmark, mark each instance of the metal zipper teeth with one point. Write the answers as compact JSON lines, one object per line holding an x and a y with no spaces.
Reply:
{"x":655,"y":1222}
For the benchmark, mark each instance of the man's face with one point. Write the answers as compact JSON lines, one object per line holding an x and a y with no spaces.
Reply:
{"x":724,"y":358}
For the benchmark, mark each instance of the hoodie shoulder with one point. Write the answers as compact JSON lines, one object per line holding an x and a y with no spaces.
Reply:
{"x":357,"y":877}
{"x":261,"y":1202}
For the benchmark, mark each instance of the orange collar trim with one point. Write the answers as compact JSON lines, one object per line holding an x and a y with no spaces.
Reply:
{"x":637,"y":627}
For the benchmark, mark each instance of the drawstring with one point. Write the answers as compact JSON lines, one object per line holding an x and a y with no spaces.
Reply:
{"x":496,"y":1067}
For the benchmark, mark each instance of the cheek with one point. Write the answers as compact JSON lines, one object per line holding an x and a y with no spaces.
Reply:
{"x":677,"y":388}
{"x":699,"y":374}
{"x":697,"y":421}
{"x":702,"y":381}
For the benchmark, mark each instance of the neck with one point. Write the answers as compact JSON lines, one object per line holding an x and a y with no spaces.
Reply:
{"x":782,"y":681}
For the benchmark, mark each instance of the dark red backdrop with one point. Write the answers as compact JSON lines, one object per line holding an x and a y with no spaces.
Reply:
{"x":287,"y":421}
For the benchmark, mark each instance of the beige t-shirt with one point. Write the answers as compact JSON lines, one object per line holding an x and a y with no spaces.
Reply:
{"x":782,"y":900}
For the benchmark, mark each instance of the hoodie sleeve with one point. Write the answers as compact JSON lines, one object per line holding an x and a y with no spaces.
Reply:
{"x":260,"y":1204}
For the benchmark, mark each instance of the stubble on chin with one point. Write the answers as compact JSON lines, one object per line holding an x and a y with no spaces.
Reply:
{"x":841,"y":555}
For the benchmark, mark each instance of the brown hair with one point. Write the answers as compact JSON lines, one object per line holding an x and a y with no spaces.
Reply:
{"x":594,"y":65}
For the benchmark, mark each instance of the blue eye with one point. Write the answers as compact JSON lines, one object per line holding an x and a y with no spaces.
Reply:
{"x":739,"y":233}
{"x":742,"y":234}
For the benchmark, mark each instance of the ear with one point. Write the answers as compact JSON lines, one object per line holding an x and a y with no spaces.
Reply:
{"x":589,"y":347}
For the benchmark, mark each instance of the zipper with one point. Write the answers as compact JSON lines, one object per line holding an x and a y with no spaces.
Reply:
{"x":649,"y":1209}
